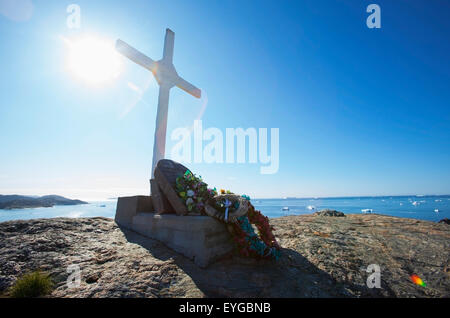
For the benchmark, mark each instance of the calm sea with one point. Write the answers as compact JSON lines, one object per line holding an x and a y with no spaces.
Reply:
{"x":431,"y":208}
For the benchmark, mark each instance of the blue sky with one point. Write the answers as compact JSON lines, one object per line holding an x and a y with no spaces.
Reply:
{"x":360,"y":111}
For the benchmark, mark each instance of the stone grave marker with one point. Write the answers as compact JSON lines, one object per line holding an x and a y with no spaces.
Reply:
{"x":160,"y":203}
{"x":166,"y":173}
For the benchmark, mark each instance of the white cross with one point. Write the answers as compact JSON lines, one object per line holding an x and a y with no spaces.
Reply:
{"x":167,"y":77}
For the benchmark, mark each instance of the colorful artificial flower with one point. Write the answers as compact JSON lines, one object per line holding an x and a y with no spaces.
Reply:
{"x":193,"y":191}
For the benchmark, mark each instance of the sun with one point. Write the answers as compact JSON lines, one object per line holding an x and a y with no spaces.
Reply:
{"x":93,"y":59}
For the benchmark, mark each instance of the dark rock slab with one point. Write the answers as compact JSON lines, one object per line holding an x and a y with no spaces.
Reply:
{"x":166,"y":173}
{"x":160,"y":202}
{"x":446,"y":221}
{"x":328,"y":212}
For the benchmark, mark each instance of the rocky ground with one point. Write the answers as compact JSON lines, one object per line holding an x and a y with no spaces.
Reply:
{"x":323,"y":256}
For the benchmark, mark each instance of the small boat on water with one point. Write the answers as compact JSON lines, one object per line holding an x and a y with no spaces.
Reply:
{"x":366,"y":210}
{"x":436,"y":210}
{"x":286,"y":208}
{"x":311,"y":207}
{"x":415,"y":203}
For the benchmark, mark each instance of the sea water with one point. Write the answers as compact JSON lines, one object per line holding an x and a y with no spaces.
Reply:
{"x":417,"y":207}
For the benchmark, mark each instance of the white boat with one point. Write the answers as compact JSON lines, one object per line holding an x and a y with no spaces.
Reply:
{"x":415,"y":203}
{"x":436,"y":210}
{"x":286,"y":208}
{"x":366,"y":210}
{"x":311,"y":207}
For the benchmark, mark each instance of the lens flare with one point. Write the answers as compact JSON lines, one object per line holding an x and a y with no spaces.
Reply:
{"x":417,"y":280}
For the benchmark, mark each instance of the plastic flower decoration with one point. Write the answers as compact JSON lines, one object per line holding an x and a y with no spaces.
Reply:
{"x":193,"y":191}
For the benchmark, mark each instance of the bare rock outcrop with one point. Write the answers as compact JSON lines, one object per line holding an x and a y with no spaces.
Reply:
{"x":322,"y":257}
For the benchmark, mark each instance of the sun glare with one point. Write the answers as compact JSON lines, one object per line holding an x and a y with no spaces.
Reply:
{"x":93,"y":59}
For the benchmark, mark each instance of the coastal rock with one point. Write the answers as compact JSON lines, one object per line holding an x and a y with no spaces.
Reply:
{"x":328,"y":212}
{"x":321,"y":257}
{"x":445,"y":221}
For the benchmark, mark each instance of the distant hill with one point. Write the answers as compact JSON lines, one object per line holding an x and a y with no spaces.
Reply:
{"x":15,"y":201}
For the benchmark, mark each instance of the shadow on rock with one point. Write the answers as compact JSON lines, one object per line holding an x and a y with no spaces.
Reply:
{"x":234,"y":276}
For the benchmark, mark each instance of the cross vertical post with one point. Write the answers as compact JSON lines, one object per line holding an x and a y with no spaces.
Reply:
{"x":159,"y":146}
{"x":167,"y":77}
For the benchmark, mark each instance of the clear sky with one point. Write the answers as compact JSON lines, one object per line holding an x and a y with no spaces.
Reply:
{"x":360,"y":111}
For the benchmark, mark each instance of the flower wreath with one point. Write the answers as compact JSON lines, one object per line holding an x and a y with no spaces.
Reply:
{"x":226,"y":207}
{"x":199,"y":198}
{"x":248,"y":242}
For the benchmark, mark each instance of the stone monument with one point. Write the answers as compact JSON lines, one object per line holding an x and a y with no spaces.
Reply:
{"x":166,"y":173}
{"x":163,"y":216}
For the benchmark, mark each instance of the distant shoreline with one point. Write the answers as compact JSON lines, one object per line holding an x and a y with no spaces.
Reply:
{"x":17,"y":202}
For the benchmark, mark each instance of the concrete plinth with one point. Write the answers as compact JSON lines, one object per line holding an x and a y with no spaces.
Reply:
{"x":128,"y":207}
{"x":200,"y":238}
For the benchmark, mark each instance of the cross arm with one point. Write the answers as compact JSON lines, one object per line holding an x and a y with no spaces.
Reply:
{"x":188,"y":87}
{"x":134,"y":55}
